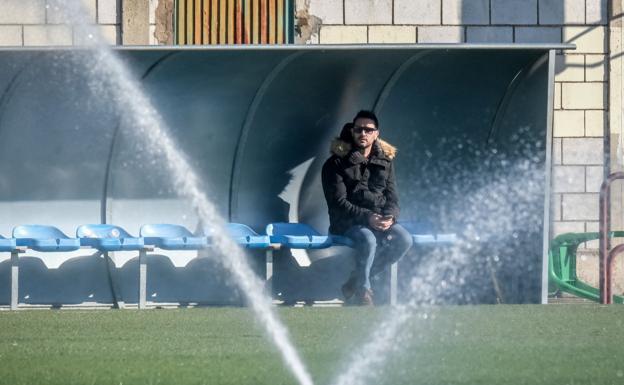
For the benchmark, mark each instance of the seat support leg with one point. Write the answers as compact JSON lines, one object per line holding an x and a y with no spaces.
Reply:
{"x":394,"y":277}
{"x":142,"y":279}
{"x":118,"y":301}
{"x":14,"y":280}
{"x":269,"y":272}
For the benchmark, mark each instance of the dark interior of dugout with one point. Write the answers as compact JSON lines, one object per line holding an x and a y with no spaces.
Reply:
{"x":256,"y":123}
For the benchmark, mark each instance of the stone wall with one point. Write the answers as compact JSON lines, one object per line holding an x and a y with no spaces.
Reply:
{"x":40,"y":22}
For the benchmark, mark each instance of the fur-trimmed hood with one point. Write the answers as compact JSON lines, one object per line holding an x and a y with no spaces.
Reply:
{"x":341,"y":148}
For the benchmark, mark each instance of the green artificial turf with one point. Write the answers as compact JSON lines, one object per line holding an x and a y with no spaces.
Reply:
{"x":497,"y":344}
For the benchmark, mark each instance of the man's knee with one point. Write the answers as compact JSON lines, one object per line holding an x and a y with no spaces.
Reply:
{"x":402,"y":239}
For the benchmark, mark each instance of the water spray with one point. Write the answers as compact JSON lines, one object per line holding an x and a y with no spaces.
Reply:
{"x":148,"y":125}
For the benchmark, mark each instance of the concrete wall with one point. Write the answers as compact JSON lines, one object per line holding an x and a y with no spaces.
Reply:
{"x":40,"y":22}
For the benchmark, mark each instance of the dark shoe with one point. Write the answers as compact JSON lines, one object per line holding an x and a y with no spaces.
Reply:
{"x":348,"y":289}
{"x":365,"y":298}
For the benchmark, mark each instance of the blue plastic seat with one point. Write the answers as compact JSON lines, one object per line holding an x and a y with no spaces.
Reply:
{"x":423,"y":239}
{"x":44,"y":238}
{"x":104,"y":237}
{"x":448,"y":239}
{"x":246,"y":237}
{"x":302,"y":236}
{"x":424,"y":234}
{"x":7,"y":244}
{"x":171,"y":237}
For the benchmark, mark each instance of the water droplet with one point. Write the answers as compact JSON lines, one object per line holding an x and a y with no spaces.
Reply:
{"x":620,"y":373}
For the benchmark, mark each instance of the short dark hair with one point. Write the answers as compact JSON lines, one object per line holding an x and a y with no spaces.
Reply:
{"x":345,"y":134}
{"x":366,"y":114}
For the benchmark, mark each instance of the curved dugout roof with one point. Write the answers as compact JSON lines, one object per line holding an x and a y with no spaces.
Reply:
{"x":256,"y":123}
{"x":246,"y":117}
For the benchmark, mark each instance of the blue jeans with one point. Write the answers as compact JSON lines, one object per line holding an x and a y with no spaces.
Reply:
{"x":376,"y":250}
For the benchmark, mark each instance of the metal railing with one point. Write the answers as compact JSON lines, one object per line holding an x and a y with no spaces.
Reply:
{"x":607,"y":255}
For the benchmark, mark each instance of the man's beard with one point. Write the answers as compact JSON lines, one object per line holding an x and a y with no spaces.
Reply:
{"x":363,"y":145}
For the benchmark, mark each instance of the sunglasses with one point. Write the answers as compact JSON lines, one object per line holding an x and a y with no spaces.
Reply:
{"x":360,"y":129}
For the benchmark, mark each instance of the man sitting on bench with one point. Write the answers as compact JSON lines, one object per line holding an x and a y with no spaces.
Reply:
{"x":360,"y":189}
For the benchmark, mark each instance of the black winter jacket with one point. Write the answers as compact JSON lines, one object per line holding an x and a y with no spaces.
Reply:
{"x":355,"y":186}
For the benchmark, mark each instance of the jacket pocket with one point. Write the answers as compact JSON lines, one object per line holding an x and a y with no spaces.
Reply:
{"x":378,"y":177}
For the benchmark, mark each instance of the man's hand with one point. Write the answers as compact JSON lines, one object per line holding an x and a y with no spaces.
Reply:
{"x":379,"y":223}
